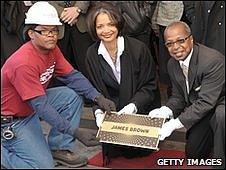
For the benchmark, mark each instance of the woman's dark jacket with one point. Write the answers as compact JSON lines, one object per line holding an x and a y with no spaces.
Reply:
{"x":138,"y":75}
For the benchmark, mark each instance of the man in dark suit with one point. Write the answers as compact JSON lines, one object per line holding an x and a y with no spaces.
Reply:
{"x":198,"y":99}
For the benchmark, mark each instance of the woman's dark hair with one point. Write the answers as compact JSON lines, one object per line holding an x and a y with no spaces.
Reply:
{"x":107,"y":8}
{"x":26,"y":29}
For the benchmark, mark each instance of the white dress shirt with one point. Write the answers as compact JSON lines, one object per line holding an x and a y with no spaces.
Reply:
{"x":186,"y":63}
{"x":116,"y":68}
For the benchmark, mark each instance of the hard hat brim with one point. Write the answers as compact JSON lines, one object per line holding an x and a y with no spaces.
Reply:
{"x":61,"y":31}
{"x":27,"y":21}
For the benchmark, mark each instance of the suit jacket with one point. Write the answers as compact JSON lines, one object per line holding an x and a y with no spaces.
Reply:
{"x":208,"y":23}
{"x":206,"y":85}
{"x":12,"y":24}
{"x":138,"y":79}
{"x":83,"y":5}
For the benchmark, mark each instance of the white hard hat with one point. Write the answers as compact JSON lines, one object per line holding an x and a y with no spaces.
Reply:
{"x":42,"y":13}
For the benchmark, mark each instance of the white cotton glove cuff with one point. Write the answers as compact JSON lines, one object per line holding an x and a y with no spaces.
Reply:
{"x":99,"y":114}
{"x":128,"y":109}
{"x":177,"y":123}
{"x":167,"y":111}
{"x":169,"y":127}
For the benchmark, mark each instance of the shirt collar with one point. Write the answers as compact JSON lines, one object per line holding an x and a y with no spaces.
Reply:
{"x":120,"y":44}
{"x":187,"y":60}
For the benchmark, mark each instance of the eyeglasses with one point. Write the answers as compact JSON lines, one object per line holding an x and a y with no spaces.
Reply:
{"x":47,"y":32}
{"x":179,"y":42}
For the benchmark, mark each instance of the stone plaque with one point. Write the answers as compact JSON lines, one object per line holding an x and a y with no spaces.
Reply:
{"x":131,"y":130}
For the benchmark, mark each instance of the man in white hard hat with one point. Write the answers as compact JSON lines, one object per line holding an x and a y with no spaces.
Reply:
{"x":25,"y":98}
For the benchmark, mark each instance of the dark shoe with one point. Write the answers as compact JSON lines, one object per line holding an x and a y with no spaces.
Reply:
{"x":69,"y":159}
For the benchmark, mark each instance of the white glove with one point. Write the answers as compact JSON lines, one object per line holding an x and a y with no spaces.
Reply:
{"x":99,"y":114}
{"x":128,"y":109}
{"x":162,"y":112}
{"x":169,"y":127}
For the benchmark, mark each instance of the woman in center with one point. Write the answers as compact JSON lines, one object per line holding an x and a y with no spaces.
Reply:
{"x":122,"y":69}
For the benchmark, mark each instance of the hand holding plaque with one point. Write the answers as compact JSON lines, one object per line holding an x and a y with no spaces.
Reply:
{"x":131,"y":129}
{"x":128,"y":109}
{"x":99,"y":114}
{"x":169,"y":127}
{"x":163,"y":112}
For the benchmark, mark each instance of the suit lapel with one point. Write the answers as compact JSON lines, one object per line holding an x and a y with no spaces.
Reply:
{"x":192,"y":71}
{"x":127,"y":84}
{"x":181,"y":79}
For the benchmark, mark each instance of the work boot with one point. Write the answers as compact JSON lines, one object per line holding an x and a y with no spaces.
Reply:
{"x":69,"y":158}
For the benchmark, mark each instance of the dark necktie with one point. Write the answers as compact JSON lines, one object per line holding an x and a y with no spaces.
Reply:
{"x":185,"y":72}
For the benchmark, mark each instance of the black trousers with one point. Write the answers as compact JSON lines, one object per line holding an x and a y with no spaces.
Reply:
{"x":163,"y":58}
{"x":199,"y":139}
{"x":208,"y":134}
{"x":74,"y":46}
{"x":218,"y":126}
{"x":10,"y":42}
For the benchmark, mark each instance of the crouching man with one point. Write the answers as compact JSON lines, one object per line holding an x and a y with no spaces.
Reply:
{"x":197,"y":103}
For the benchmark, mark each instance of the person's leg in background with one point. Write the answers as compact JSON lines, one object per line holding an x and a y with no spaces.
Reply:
{"x":80,"y":42}
{"x":163,"y":60}
{"x":74,"y":46}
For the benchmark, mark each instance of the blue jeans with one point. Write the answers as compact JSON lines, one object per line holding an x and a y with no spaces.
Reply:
{"x":29,"y":149}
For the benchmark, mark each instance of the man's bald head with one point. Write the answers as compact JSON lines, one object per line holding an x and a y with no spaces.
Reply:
{"x":178,"y":24}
